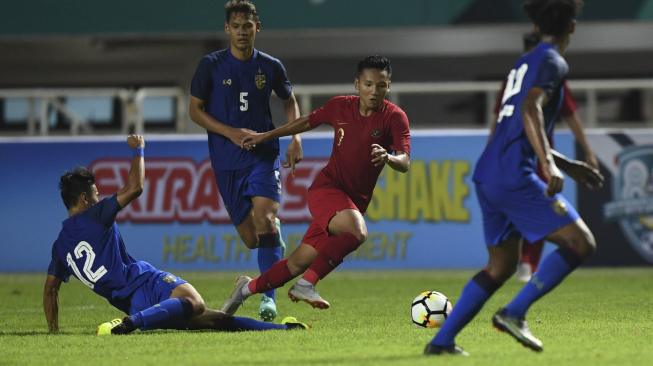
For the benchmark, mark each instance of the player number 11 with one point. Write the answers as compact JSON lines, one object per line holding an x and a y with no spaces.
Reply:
{"x":513,"y":86}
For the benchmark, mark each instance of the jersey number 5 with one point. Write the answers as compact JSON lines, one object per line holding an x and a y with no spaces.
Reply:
{"x":243,"y":101}
{"x":513,"y":86}
{"x":91,"y":276}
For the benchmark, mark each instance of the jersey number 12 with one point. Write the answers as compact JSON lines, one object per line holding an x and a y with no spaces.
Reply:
{"x":91,"y":277}
{"x":513,"y":86}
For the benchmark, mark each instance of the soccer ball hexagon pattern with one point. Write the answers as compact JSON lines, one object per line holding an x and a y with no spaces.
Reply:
{"x":430,"y":309}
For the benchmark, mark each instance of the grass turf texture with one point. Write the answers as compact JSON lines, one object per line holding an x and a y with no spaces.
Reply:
{"x":597,"y":317}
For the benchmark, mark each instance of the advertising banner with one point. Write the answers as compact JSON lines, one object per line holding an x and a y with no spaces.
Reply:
{"x":428,"y":218}
{"x":621,"y":214}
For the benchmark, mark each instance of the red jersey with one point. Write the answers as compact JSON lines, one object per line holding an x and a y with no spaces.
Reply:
{"x":350,"y":167}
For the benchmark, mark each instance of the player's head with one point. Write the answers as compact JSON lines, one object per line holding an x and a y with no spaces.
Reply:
{"x":556,"y":18}
{"x":531,"y":39}
{"x":241,"y":23}
{"x":373,"y":80}
{"x":78,"y":188}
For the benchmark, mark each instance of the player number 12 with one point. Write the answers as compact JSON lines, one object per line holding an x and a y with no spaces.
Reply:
{"x":91,"y":276}
{"x":513,"y":86}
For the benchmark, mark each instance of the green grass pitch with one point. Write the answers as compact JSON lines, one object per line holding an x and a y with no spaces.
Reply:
{"x":596,"y":317}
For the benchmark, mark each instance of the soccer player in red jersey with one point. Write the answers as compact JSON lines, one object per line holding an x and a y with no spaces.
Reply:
{"x":532,"y":252}
{"x":370,"y":132}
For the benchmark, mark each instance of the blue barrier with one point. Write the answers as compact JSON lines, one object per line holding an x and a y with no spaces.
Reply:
{"x":428,"y":218}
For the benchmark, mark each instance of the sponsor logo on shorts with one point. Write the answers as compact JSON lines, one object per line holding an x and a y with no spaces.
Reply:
{"x":559,"y":207}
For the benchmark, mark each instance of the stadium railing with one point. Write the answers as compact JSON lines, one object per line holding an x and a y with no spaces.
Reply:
{"x":41,"y":101}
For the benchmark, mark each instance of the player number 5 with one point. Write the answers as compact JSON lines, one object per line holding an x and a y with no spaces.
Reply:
{"x":243,"y":101}
{"x":513,"y":86}
{"x":91,"y":276}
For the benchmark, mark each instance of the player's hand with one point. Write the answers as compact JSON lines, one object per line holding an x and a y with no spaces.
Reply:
{"x":379,"y":155}
{"x":555,"y":179}
{"x":586,"y":175}
{"x":135,"y":141}
{"x":294,"y":154}
{"x":591,"y":160}
{"x":251,"y":139}
{"x":237,"y":135}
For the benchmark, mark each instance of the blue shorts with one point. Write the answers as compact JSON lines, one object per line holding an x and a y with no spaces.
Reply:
{"x":237,"y":187}
{"x":156,"y":289}
{"x":526,"y":211}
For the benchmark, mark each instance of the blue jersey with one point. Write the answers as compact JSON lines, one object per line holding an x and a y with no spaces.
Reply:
{"x":237,"y":93}
{"x":509,"y":159}
{"x":90,"y":248}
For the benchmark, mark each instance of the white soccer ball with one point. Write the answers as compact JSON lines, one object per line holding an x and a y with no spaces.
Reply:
{"x":430,"y":309}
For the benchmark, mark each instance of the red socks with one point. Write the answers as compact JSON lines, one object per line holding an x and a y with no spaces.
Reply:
{"x":330,"y":256}
{"x":273,"y":278}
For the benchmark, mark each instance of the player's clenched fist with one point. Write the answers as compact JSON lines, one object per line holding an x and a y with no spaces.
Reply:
{"x":135,"y":141}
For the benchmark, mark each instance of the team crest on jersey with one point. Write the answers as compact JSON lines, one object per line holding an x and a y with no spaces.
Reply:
{"x":169,"y":278}
{"x":259,"y":80}
{"x":632,"y":194}
{"x":559,"y":207}
{"x":376,"y":133}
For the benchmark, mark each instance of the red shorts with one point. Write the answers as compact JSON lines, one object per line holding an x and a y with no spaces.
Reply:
{"x":324,"y":203}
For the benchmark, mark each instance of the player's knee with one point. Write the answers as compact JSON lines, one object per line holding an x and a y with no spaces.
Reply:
{"x":360,"y":233}
{"x":587,"y":244}
{"x":265,"y":221}
{"x":198,"y":305}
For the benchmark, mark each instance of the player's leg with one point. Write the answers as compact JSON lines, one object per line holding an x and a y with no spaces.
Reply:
{"x":540,"y":216}
{"x":164,"y":301}
{"x":575,"y":244}
{"x":270,"y":247}
{"x":263,"y":185}
{"x":218,"y":320}
{"x":347,"y":231}
{"x":280,"y":273}
{"x":502,"y":261}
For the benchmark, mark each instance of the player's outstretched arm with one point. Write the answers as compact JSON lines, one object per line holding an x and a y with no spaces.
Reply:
{"x":295,"y":127}
{"x":579,"y":171}
{"x":136,"y":178}
{"x":199,"y":116}
{"x":51,"y":302}
{"x":294,"y":152}
{"x":533,"y":119}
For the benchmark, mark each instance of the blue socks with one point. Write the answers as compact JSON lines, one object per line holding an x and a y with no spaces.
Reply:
{"x":553,"y":269}
{"x":477,"y":291}
{"x":237,"y":324}
{"x":169,"y":314}
{"x":269,"y":252}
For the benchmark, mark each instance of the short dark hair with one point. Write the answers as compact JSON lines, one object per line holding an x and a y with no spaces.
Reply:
{"x":374,"y":62}
{"x":553,"y":17}
{"x":240,"y":6}
{"x":75,"y":182}
{"x":531,"y":39}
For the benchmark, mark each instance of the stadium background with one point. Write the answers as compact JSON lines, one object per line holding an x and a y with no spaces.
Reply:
{"x":76,"y":76}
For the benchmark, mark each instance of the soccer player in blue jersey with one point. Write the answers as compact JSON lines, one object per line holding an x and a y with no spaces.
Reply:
{"x":515,"y":203}
{"x":90,"y":248}
{"x":230,"y":94}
